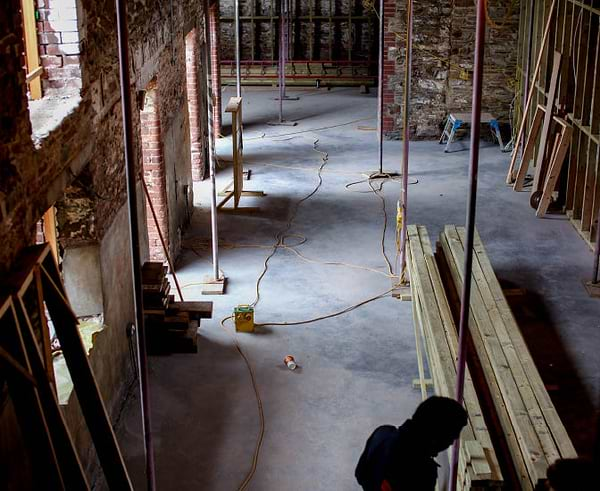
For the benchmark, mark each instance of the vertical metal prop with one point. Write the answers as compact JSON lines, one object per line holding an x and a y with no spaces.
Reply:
{"x":470,"y":225}
{"x":406,"y":136}
{"x":211,"y":148}
{"x":380,"y":89}
{"x":595,"y":276}
{"x":238,"y":75}
{"x":123,"y":40}
{"x":281,"y":58}
{"x":286,"y":40}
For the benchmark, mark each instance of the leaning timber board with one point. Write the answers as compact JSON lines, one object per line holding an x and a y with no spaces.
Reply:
{"x":523,"y":405}
{"x":478,"y":465}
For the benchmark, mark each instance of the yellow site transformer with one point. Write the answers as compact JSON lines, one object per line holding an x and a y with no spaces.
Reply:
{"x":244,"y":318}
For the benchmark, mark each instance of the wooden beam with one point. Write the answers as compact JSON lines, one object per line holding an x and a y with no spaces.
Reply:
{"x":541,"y":162}
{"x":536,"y":72}
{"x":31,"y":48}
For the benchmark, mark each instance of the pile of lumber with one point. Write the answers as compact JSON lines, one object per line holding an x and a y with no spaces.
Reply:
{"x":478,"y":465}
{"x":533,"y":432}
{"x":170,"y":326}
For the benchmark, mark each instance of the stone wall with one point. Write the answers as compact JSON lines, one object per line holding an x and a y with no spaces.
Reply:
{"x":34,"y":177}
{"x":259,"y":40}
{"x":444,"y":33}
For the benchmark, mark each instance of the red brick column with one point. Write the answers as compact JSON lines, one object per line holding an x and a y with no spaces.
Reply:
{"x":389,"y":65}
{"x":215,"y":64}
{"x":154,"y":175}
{"x":194,"y":93}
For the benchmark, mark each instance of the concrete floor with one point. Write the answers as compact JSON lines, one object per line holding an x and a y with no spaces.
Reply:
{"x":356,"y":369}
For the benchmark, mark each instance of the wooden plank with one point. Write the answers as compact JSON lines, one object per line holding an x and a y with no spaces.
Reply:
{"x":554,"y":171}
{"x":529,"y":148}
{"x":29,"y":409}
{"x":233,"y":105}
{"x":442,"y":362}
{"x":545,"y":131}
{"x":565,"y":446}
{"x":31,"y":47}
{"x":49,"y":223}
{"x":513,"y":357}
{"x":515,"y":422}
{"x":92,"y":406}
{"x":470,"y":396}
{"x":200,"y":310}
{"x":532,"y":90}
{"x":68,"y":459}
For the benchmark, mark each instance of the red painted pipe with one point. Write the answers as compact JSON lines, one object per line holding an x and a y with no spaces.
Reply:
{"x":134,"y":241}
{"x":470,"y":225}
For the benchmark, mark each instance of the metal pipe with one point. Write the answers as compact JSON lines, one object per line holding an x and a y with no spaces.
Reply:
{"x":595,"y":276}
{"x":380,"y":89}
{"x":238,"y":75}
{"x":134,"y":242}
{"x":211,"y":149}
{"x":406,"y":136}
{"x":470,"y":225}
{"x":285,"y":46}
{"x":281,"y":61}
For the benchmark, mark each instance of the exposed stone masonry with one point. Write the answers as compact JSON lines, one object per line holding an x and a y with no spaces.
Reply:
{"x":443,"y":53}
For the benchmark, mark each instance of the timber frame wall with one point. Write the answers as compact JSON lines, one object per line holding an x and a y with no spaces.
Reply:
{"x":329,"y":39}
{"x":575,"y":34}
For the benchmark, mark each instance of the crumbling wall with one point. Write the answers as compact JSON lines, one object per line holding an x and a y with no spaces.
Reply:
{"x":443,"y":51}
{"x":34,"y":177}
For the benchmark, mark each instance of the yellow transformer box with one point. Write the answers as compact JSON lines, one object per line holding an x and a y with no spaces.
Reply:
{"x":244,"y":318}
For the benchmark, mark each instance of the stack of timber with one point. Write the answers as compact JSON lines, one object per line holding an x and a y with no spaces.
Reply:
{"x":170,"y":326}
{"x":478,"y":465}
{"x":533,"y":432}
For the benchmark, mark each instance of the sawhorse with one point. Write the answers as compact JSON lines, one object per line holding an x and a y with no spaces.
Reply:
{"x":455,"y":121}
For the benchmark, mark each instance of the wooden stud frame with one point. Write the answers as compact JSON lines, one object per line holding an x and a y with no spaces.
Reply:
{"x":557,"y":158}
{"x":575,"y":32}
{"x":234,"y":107}
{"x":36,"y":269}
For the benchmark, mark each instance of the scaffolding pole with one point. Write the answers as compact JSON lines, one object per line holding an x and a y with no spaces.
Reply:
{"x":238,"y":75}
{"x":406,"y":139}
{"x":470,"y":224}
{"x":134,"y":240}
{"x":380,"y":173}
{"x":380,"y":89}
{"x":284,"y":36}
{"x":211,"y":151}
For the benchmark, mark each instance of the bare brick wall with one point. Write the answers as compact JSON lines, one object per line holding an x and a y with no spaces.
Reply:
{"x":215,"y":63}
{"x":443,"y":53}
{"x":90,"y":138}
{"x":153,"y":163}
{"x":195,"y":78}
{"x":58,"y":37}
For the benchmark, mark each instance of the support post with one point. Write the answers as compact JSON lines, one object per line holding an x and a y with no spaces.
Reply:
{"x":406,"y":139}
{"x":470,"y":225}
{"x":130,"y":172}
{"x":284,"y":29}
{"x":216,"y":279}
{"x":238,"y":82}
{"x":380,"y":88}
{"x":379,"y":173}
{"x":593,"y":286}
